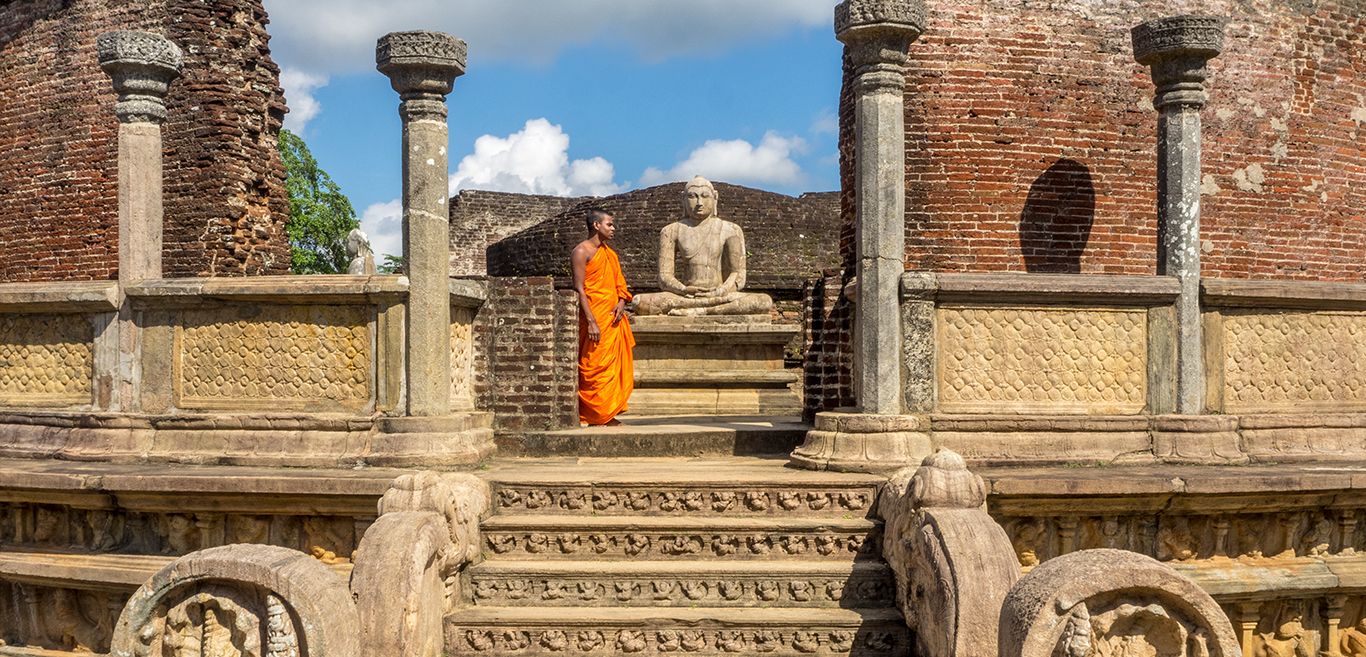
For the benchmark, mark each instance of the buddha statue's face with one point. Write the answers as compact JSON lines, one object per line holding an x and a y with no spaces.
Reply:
{"x":699,"y":201}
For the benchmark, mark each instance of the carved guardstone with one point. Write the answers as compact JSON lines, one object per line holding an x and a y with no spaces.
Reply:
{"x":1112,"y":602}
{"x":422,"y":67}
{"x":230,"y":600}
{"x":953,"y":564}
{"x":1176,"y":50}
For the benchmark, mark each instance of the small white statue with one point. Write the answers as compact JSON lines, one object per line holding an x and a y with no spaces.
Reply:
{"x":358,"y":250}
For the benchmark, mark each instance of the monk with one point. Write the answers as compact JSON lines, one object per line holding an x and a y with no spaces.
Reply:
{"x":606,"y":367}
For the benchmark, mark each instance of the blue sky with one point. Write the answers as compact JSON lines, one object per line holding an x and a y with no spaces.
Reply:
{"x":572,"y":97}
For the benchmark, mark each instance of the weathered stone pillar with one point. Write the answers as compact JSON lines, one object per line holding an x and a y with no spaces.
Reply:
{"x":142,"y":66}
{"x":877,"y":34}
{"x":1176,"y":49}
{"x":422,"y":67}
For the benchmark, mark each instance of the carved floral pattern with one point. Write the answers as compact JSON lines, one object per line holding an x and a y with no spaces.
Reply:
{"x":1064,"y":361}
{"x":1293,"y":361}
{"x":684,"y":641}
{"x":671,"y":502}
{"x":45,"y":358}
{"x":282,"y":353}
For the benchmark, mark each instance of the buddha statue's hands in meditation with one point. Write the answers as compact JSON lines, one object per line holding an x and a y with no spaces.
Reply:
{"x":713,"y":252}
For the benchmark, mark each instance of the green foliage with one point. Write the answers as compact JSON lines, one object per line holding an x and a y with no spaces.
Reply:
{"x":392,"y":265}
{"x":320,"y":216}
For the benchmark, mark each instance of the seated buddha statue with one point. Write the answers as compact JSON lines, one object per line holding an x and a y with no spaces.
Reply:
{"x":713,"y":253}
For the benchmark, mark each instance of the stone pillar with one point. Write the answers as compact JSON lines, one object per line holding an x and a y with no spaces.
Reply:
{"x":1176,"y":49}
{"x":877,"y":34}
{"x":142,"y":66}
{"x":422,"y":67}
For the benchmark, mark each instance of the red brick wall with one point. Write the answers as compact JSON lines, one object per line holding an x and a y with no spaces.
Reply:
{"x":1031,"y":140}
{"x":526,"y":355}
{"x":225,"y":203}
{"x":480,"y":218}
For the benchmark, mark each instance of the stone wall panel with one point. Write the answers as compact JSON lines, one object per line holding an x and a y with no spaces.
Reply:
{"x":274,"y":357}
{"x":1294,"y":362}
{"x":994,"y":360}
{"x":45,"y":359}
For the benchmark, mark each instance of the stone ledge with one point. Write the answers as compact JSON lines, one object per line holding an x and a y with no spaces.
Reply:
{"x":340,"y":289}
{"x":59,"y":297}
{"x":258,"y":439}
{"x":717,"y":377}
{"x":83,"y":571}
{"x":1066,"y":289}
{"x":1309,"y":295}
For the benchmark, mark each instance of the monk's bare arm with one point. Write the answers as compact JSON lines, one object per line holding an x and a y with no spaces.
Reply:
{"x":578,"y":262}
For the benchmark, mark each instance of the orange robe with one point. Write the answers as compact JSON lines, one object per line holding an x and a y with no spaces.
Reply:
{"x":606,"y":368}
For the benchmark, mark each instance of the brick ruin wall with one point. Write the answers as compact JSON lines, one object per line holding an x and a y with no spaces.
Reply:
{"x":480,"y":218}
{"x":1031,"y":146}
{"x":789,"y":239}
{"x":225,"y":202}
{"x":1031,"y":140}
{"x":527,"y":357}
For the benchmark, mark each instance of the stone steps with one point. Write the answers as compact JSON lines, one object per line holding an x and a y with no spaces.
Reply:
{"x":863,"y":584}
{"x":556,"y":537}
{"x":777,"y":631}
{"x":733,"y":487}
{"x":664,"y":436}
{"x":710,"y":556}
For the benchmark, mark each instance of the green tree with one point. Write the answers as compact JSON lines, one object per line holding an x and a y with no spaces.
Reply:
{"x":320,"y":215}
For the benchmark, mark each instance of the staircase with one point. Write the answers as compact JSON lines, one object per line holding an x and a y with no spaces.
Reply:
{"x":704,"y":556}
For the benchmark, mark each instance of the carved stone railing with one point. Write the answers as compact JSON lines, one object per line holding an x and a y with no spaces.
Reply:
{"x":257,"y":358}
{"x":267,"y":600}
{"x":1050,"y":368}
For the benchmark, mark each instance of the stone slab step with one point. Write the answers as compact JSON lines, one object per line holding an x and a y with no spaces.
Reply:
{"x":780,"y":632}
{"x":76,"y":570}
{"x":863,"y":584}
{"x":558,"y":537}
{"x":655,"y":436}
{"x":747,"y":487}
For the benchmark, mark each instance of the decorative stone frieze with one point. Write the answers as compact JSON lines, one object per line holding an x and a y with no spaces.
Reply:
{"x":620,"y":500}
{"x":142,"y":66}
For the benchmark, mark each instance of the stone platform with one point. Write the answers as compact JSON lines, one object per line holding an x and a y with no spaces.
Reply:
{"x":722,"y":365}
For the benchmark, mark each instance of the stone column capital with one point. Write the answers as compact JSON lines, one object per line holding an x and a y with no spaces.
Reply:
{"x":858,"y":20}
{"x":878,"y":32}
{"x":422,"y":67}
{"x":1176,"y":49}
{"x":142,"y":66}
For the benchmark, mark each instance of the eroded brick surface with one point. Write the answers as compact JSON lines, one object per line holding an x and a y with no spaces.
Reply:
{"x":225,"y":204}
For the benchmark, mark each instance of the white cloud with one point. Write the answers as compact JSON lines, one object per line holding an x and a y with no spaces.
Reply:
{"x":299,"y":87}
{"x":737,"y":161}
{"x":826,"y":122}
{"x":534,"y":160}
{"x":327,"y":36}
{"x":383,"y":223}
